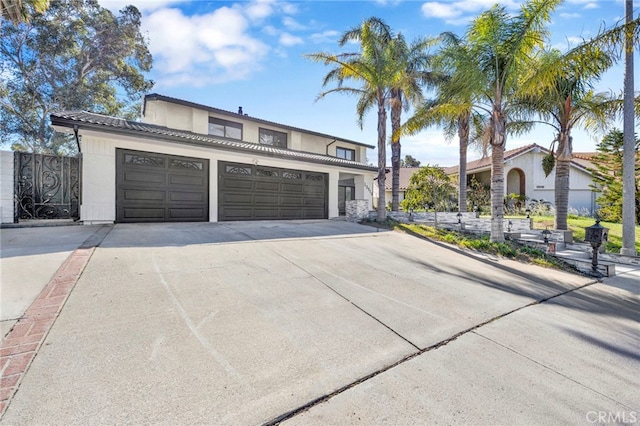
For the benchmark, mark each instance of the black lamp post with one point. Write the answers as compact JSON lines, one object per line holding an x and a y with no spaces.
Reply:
{"x":509,"y":225}
{"x":596,"y":234}
{"x":528,"y":212}
{"x":545,"y":235}
{"x":459,"y":215}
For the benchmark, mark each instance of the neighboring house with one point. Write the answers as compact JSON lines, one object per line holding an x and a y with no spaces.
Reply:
{"x":525,"y":176}
{"x":405,"y":175}
{"x":190,"y":162}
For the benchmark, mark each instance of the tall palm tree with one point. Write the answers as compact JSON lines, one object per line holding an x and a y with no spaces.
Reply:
{"x":411,"y":71}
{"x":503,"y":47}
{"x":560,"y":91}
{"x":628,"y":168}
{"x":18,"y":11}
{"x":372,"y":69}
{"x":561,"y":94}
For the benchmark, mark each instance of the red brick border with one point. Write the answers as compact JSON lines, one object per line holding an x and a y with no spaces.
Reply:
{"x":21,"y":344}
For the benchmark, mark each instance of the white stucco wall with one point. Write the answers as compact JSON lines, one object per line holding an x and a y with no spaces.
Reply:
{"x":182,"y":117}
{"x":541,"y":187}
{"x":99,"y":171}
{"x":6,"y":187}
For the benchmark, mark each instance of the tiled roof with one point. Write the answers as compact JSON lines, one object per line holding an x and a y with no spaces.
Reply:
{"x":405,"y":175}
{"x":155,"y":96}
{"x":119,"y":125}
{"x":581,"y":160}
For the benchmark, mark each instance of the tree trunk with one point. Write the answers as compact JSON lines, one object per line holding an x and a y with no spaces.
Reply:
{"x":396,"y":112}
{"x":382,"y":157}
{"x":463,"y":134}
{"x":561,"y":192}
{"x":628,"y":165}
{"x":497,"y":176}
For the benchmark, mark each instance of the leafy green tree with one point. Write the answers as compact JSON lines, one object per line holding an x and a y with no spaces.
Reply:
{"x":371,"y":70}
{"x":75,"y":56}
{"x":409,"y":161}
{"x":429,"y":187}
{"x":607,"y":176}
{"x":18,"y":11}
{"x":479,"y":194}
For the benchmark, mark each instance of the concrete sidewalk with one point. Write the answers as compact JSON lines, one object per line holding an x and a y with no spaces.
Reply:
{"x":326,"y":322}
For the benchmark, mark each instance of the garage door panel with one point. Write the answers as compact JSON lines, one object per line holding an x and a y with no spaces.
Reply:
{"x":132,"y":213}
{"x":268,"y":199}
{"x":181,"y":196}
{"x":291,"y":201}
{"x":314,"y":202}
{"x":183,"y":180}
{"x":292,"y":188}
{"x":267,"y":186}
{"x":314,"y":191}
{"x":249,"y":192}
{"x":143,"y":177}
{"x":238,"y":184}
{"x":153,"y":187}
{"x":237,"y":213}
{"x":182,"y":213}
{"x":143,"y":195}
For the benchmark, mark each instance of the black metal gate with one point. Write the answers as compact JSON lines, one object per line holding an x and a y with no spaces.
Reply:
{"x":46,"y":186}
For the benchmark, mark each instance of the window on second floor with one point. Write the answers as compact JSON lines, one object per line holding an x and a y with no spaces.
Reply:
{"x":347,"y":154}
{"x":225,"y":128}
{"x":273,"y":138}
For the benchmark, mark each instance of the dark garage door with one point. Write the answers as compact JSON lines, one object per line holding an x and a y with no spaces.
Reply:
{"x":154,"y":187}
{"x":249,"y":192}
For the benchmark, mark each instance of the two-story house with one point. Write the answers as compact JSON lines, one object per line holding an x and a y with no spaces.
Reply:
{"x":189,"y":162}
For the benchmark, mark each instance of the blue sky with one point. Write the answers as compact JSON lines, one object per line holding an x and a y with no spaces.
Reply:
{"x":250,"y":54}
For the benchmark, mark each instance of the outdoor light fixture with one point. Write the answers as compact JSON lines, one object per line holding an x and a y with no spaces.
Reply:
{"x":509,"y":225}
{"x":528,"y":212}
{"x":546,"y":234}
{"x":459,"y":217}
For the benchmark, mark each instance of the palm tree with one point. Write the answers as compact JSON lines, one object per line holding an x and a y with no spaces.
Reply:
{"x":372,"y":69}
{"x":452,"y":110}
{"x":411,"y":72}
{"x":18,"y":11}
{"x":561,"y":94}
{"x":502,"y":48}
{"x":628,"y":168}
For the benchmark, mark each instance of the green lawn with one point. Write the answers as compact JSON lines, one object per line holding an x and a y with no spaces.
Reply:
{"x":578,"y":225}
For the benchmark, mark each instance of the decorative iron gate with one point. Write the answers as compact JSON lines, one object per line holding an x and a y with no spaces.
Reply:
{"x":46,"y":186}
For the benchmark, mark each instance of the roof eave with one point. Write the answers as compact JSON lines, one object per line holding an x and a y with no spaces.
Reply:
{"x":57,"y":121}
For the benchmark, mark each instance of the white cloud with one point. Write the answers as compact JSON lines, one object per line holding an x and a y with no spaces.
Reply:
{"x":461,"y":11}
{"x":259,"y":9}
{"x":142,"y":5}
{"x":439,"y":10}
{"x":328,"y":36}
{"x":206,"y":48}
{"x":292,"y":24}
{"x":287,"y":39}
{"x":568,"y":15}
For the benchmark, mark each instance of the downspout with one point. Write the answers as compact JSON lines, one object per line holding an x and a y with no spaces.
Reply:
{"x":75,"y":132}
{"x":330,"y":143}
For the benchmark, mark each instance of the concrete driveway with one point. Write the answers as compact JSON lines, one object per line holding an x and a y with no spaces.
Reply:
{"x":326,"y":322}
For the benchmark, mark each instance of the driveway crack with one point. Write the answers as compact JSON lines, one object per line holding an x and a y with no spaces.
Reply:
{"x":292,"y":413}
